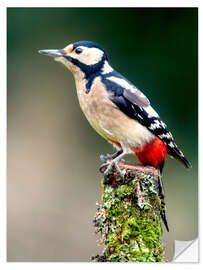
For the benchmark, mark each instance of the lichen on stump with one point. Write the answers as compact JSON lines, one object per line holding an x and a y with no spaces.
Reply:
{"x":128,"y":218}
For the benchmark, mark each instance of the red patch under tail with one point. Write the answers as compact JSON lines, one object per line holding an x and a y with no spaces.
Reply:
{"x":153,"y":153}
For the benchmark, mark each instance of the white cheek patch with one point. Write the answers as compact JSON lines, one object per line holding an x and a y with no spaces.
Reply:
{"x":89,"y":56}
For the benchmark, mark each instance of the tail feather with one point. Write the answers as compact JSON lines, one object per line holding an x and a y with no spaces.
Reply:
{"x":178,"y":155}
{"x":162,"y":196}
{"x":163,"y":216}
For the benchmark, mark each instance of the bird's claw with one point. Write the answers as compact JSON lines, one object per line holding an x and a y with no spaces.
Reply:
{"x":103,"y":166}
{"x":104,"y":158}
{"x":110,"y":166}
{"x":111,"y":161}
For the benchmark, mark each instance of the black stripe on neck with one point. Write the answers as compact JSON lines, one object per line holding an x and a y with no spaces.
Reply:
{"x":90,"y":71}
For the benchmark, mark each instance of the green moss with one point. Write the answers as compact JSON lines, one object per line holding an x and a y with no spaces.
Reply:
{"x":129,"y":222}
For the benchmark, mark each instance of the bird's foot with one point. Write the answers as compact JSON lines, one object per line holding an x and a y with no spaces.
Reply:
{"x":106,"y":157}
{"x":109,"y":166}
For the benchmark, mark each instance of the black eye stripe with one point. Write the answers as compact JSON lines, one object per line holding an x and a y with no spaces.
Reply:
{"x":78,"y":50}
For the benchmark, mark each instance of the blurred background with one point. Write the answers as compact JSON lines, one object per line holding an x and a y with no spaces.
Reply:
{"x":53,"y":153}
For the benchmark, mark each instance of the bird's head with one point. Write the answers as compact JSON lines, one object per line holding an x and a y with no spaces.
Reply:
{"x":82,"y":56}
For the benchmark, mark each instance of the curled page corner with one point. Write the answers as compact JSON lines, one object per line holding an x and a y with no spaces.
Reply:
{"x":186,"y":251}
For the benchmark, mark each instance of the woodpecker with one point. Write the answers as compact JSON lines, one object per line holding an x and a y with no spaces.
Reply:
{"x":117,"y":109}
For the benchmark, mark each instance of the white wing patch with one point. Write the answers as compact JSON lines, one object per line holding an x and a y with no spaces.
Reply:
{"x":123,"y":83}
{"x":155,"y":125}
{"x":131,"y":93}
{"x":181,"y":153}
{"x":140,"y":116}
{"x":171,"y":144}
{"x":167,"y":135}
{"x":152,"y":113}
{"x":164,"y":125}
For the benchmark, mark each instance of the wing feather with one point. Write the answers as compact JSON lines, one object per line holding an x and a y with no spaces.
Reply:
{"x":136,"y":97}
{"x":136,"y":105}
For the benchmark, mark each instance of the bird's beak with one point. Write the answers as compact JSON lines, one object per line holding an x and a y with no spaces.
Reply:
{"x":53,"y":53}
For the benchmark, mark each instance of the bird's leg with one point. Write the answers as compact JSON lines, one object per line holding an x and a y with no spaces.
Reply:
{"x":114,"y":163}
{"x":104,"y":158}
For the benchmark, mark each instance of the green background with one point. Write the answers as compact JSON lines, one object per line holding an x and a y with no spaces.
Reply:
{"x":53,"y":153}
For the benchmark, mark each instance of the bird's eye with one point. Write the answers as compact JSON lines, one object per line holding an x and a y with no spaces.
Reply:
{"x":78,"y":50}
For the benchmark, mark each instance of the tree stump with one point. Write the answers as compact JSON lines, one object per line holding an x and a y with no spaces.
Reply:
{"x":129,"y":217}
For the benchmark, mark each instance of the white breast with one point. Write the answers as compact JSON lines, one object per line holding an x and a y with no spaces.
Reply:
{"x":107,"y":119}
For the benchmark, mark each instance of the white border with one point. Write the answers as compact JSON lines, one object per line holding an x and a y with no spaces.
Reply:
{"x":3,"y":103}
{"x":73,"y":3}
{"x":101,"y":3}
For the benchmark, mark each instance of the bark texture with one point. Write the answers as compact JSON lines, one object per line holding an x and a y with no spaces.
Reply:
{"x":128,"y":219}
